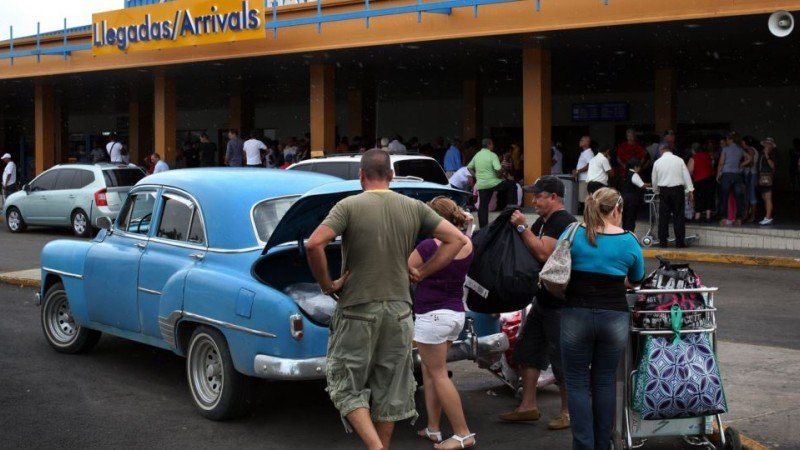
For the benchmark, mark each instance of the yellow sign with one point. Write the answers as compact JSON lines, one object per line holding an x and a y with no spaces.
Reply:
{"x":176,"y":24}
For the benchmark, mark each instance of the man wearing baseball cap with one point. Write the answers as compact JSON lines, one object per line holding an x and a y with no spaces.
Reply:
{"x":9,"y":176}
{"x":538,"y":345}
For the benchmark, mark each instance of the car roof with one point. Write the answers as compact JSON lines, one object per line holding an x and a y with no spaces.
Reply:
{"x":357,"y":157}
{"x":225,"y":192}
{"x":101,"y":166}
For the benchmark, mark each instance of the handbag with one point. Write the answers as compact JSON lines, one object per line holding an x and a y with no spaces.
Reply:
{"x":670,"y":276}
{"x":557,"y":269}
{"x":765,"y":177}
{"x":678,"y":377}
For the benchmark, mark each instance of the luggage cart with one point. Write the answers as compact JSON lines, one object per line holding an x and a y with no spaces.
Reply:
{"x":650,"y":238}
{"x":631,"y":431}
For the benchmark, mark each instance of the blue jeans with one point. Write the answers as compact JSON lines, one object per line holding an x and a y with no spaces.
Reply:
{"x":592,"y":343}
{"x":728,"y":182}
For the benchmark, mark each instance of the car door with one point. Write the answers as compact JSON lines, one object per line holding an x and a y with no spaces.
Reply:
{"x":179,"y":244}
{"x":112,"y":266}
{"x":61,"y":198}
{"x":34,"y":205}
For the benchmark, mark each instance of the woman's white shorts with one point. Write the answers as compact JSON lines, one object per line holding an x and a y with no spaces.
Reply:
{"x":439,"y":326}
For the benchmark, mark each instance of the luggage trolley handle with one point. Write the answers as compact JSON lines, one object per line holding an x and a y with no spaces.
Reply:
{"x":703,"y":290}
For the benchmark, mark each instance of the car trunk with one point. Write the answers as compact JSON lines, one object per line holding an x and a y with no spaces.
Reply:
{"x":283,"y":264}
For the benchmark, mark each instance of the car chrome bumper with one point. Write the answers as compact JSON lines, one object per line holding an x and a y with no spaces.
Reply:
{"x":273,"y":368}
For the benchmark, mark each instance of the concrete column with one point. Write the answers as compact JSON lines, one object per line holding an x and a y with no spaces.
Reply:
{"x":536,"y":112}
{"x":62,"y":131}
{"x":45,"y":127}
{"x":164,"y":111}
{"x":473,"y":110}
{"x":140,"y":130}
{"x":323,"y":109}
{"x":242,"y":110}
{"x":666,"y":105}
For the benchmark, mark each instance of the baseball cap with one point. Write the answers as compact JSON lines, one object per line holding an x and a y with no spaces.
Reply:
{"x":6,"y":156}
{"x":547,"y":183}
{"x":769,"y":140}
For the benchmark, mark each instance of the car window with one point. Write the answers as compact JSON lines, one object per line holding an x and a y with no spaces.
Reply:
{"x":87,"y":178}
{"x":65,"y":179}
{"x":337,"y":169}
{"x":176,"y":217}
{"x":137,"y":213}
{"x":197,"y":234}
{"x":45,"y":181}
{"x":268,"y":213}
{"x":427,"y":169}
{"x":303,"y":167}
{"x":122,"y":177}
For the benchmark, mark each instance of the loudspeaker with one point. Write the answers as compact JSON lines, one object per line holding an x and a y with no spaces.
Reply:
{"x":780,"y":23}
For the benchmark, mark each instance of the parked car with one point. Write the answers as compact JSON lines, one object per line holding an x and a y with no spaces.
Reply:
{"x":346,"y":167}
{"x":210,"y":264}
{"x":71,"y":195}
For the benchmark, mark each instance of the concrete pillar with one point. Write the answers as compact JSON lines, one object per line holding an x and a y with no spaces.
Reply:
{"x":473,"y":110}
{"x":62,"y":131}
{"x":140,"y":130}
{"x":164,"y":111}
{"x":45,"y":127}
{"x":242,"y":110}
{"x":323,"y":109}
{"x":666,"y":105}
{"x":536,"y":112}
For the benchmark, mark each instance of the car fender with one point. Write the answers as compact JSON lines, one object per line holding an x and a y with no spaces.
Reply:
{"x":64,"y":260}
{"x":254,"y":318}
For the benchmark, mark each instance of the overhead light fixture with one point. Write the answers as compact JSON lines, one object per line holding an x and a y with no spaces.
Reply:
{"x":218,"y":64}
{"x":412,"y":47}
{"x":540,"y":37}
{"x":502,"y":60}
{"x":691,"y":25}
{"x":620,"y":52}
{"x":758,"y":43}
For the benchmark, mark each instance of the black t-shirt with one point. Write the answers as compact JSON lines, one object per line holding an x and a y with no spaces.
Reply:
{"x":553,"y":228}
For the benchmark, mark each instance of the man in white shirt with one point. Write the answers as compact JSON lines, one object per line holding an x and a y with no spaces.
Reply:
{"x":672,"y":183}
{"x":9,"y":176}
{"x":598,"y":172}
{"x":557,"y":161}
{"x":114,"y":150}
{"x":583,"y":166}
{"x":462,"y":179}
{"x":252,"y":150}
{"x":160,"y":165}
{"x":396,"y":147}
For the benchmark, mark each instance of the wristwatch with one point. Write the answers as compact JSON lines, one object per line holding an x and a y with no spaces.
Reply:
{"x":521,"y":228}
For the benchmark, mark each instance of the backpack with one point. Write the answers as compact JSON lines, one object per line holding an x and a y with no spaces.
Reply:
{"x":504,"y":275}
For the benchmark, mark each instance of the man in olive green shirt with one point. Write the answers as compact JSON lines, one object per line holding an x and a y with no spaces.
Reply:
{"x":485,"y":165}
{"x":369,"y":365}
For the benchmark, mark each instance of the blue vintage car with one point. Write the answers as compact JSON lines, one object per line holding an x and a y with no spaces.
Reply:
{"x":210,"y":264}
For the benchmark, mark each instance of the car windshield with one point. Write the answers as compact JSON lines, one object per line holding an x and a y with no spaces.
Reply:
{"x":122,"y":177}
{"x":268,"y":213}
{"x":427,"y":169}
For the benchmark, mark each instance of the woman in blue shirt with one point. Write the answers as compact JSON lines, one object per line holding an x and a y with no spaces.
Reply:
{"x":594,"y":321}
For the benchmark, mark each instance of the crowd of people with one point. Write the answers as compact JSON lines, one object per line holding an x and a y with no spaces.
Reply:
{"x":369,"y":364}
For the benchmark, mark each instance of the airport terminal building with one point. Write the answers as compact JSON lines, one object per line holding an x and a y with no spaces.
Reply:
{"x":531,"y":71}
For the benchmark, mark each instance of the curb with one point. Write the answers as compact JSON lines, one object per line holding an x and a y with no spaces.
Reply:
{"x":20,"y":281}
{"x":725,"y":258}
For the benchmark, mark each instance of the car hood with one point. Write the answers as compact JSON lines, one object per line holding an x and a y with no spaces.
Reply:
{"x":305,"y":215}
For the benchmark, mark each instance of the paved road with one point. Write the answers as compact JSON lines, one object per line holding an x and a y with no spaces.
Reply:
{"x":130,"y":395}
{"x":21,"y":251}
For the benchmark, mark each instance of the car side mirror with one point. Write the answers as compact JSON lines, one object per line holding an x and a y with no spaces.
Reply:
{"x":104,"y":223}
{"x":27,"y":188}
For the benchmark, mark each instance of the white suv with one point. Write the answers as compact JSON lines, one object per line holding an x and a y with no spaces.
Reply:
{"x":346,"y":167}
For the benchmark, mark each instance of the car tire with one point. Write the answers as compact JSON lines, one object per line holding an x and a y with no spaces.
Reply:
{"x":60,"y":329}
{"x":218,"y":391}
{"x":14,"y":221}
{"x":81,"y":225}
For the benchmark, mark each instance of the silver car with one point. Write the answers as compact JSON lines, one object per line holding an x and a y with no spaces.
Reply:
{"x":73,"y":195}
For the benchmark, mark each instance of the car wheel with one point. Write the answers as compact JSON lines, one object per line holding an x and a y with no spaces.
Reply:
{"x":218,"y":390}
{"x":58,"y":324}
{"x":14,"y":220}
{"x":80,"y":223}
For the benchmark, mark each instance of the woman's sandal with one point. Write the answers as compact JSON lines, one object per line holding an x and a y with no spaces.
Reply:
{"x":460,"y":440}
{"x":435,"y":436}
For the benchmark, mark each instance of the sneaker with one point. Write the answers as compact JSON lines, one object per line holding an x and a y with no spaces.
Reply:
{"x":521,"y":416}
{"x":766,"y":221}
{"x":559,"y":423}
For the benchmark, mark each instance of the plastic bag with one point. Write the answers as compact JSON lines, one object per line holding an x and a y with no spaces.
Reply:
{"x":504,"y":275}
{"x":312,"y":301}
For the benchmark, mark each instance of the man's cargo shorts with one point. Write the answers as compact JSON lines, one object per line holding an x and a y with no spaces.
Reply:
{"x":369,"y":362}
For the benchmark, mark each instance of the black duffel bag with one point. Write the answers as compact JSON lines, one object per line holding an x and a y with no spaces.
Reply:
{"x":504,"y":275}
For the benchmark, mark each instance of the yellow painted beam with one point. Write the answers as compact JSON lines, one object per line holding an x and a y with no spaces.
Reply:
{"x":323,"y":109}
{"x":536,"y":112}
{"x":45,"y":127}
{"x":164,"y":111}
